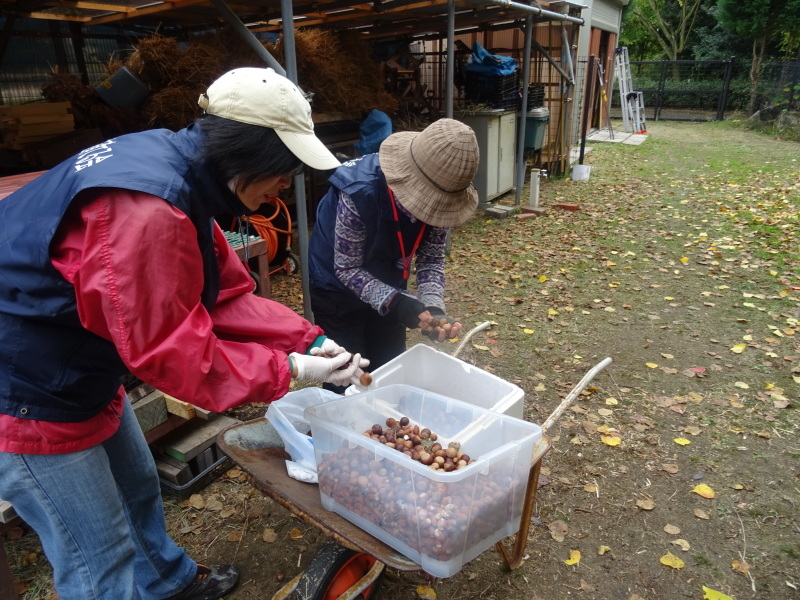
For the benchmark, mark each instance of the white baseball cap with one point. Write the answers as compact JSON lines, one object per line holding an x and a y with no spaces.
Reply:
{"x":262,"y":97}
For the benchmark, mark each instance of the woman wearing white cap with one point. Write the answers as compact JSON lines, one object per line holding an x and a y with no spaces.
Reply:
{"x":382,"y":211}
{"x":112,"y":264}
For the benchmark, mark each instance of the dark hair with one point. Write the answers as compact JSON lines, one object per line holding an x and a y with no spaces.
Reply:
{"x":252,"y":152}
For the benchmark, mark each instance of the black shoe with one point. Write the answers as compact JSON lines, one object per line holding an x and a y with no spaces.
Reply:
{"x":210,"y":583}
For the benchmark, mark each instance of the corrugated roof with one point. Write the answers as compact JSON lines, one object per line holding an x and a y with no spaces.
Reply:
{"x":376,"y":20}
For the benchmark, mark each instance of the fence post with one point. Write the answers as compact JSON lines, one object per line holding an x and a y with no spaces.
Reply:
{"x":662,"y":78}
{"x":726,"y":86}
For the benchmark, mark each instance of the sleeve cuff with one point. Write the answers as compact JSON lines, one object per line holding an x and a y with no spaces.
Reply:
{"x":317,"y":343}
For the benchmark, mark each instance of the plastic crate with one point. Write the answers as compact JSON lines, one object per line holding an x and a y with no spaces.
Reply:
{"x":492,"y":89}
{"x":435,"y":371}
{"x":201,"y":480}
{"x":440,"y":520}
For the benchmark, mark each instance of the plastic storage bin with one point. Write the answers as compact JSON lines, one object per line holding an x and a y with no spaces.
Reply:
{"x":123,"y":89}
{"x":438,"y":519}
{"x":535,"y":127}
{"x":435,"y":371}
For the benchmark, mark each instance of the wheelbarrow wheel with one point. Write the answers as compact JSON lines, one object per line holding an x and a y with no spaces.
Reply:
{"x":292,"y":263}
{"x":333,"y":571}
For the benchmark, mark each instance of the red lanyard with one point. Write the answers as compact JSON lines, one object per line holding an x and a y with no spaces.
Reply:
{"x":406,"y":259}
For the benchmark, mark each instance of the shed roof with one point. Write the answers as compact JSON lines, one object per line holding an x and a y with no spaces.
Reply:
{"x":379,"y":19}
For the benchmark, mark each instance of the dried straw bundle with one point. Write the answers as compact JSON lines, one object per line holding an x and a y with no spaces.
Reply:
{"x":155,"y":61}
{"x":172,"y":108}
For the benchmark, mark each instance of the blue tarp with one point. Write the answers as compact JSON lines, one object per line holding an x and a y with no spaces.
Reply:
{"x":490,"y":64}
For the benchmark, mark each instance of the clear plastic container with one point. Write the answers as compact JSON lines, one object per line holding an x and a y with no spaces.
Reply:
{"x":435,"y":371}
{"x":441,"y":520}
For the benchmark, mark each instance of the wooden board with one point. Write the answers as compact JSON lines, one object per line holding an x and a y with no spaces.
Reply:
{"x":151,"y":410}
{"x":179,"y":407}
{"x":173,"y":470}
{"x":199,"y":438}
{"x":36,"y":108}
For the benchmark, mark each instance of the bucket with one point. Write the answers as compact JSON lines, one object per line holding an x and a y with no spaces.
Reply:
{"x":581,"y":172}
{"x":123,"y":89}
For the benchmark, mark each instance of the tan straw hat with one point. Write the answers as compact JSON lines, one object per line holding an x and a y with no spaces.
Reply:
{"x":262,"y":97}
{"x":430,"y":172}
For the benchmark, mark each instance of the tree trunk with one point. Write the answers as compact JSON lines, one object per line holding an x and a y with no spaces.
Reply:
{"x":759,"y":45}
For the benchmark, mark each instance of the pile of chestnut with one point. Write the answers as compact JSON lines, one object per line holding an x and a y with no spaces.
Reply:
{"x":439,"y":519}
{"x":419,"y":444}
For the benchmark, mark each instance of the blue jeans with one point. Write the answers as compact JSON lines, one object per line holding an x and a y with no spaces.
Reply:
{"x":99,"y":516}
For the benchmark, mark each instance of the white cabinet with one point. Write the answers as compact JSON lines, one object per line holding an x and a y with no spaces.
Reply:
{"x":496,"y":132}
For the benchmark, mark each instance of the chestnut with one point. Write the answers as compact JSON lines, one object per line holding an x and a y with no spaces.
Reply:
{"x":377,"y":429}
{"x":404,"y":421}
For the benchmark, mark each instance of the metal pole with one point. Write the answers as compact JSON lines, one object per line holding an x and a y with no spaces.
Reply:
{"x":451,"y":28}
{"x":299,"y":181}
{"x":726,"y":86}
{"x":526,"y":77}
{"x":548,"y":14}
{"x":587,"y":100}
{"x":251,"y":40}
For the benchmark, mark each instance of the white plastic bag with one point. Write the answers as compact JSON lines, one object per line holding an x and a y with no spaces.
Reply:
{"x":286,"y":416}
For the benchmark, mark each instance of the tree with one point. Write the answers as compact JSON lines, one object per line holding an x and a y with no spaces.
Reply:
{"x":669,"y":22}
{"x":761,"y":22}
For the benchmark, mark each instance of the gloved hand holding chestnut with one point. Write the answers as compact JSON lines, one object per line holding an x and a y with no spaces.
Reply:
{"x":342,"y":369}
{"x":439,"y":326}
{"x":430,"y":319}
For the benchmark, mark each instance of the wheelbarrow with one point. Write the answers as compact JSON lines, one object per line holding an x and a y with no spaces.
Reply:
{"x":352,"y":563}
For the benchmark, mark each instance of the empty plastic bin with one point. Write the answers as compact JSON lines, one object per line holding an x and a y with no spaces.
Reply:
{"x":435,"y":371}
{"x":535,"y":128}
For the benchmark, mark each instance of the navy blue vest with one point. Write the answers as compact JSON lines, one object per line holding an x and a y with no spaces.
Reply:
{"x":362,"y":180}
{"x":51,"y":368}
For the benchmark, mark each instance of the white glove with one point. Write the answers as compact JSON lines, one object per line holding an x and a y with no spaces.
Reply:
{"x":328,"y":348}
{"x":342,"y":369}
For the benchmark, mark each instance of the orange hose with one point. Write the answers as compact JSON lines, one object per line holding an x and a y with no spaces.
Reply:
{"x":265,"y":229}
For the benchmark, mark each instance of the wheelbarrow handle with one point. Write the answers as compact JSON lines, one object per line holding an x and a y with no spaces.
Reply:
{"x":566,"y":402}
{"x":470,"y":333}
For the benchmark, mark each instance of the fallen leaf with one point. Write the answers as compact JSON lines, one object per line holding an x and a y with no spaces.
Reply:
{"x":714,"y":595}
{"x":269,"y":535}
{"x":558,"y":530}
{"x":742,"y":385}
{"x":692,"y":430}
{"x":227,"y":512}
{"x":528,"y":331}
{"x":590,"y":487}
{"x":574,"y":558}
{"x":652,"y":365}
{"x":611,"y":440}
{"x":671,"y":560}
{"x":682,"y":441}
{"x":603,"y":549}
{"x":740,"y":566}
{"x":738,"y":348}
{"x":684,"y":545}
{"x":701,"y":514}
{"x":197,"y":501}
{"x":667,"y":355}
{"x":214,"y":505}
{"x":704,"y":491}
{"x":669,"y":468}
{"x":233,"y":473}
{"x":235,"y":536}
{"x":612,"y":401}
{"x":295,"y":534}
{"x":586,"y":586}
{"x":426,"y":592}
{"x":480,"y":347}
{"x":672,"y":529}
{"x":646,"y":504}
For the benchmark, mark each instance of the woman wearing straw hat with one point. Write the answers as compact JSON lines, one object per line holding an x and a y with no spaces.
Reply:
{"x":382,"y":211}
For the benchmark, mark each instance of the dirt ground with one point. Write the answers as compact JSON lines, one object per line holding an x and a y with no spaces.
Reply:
{"x":675,"y":474}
